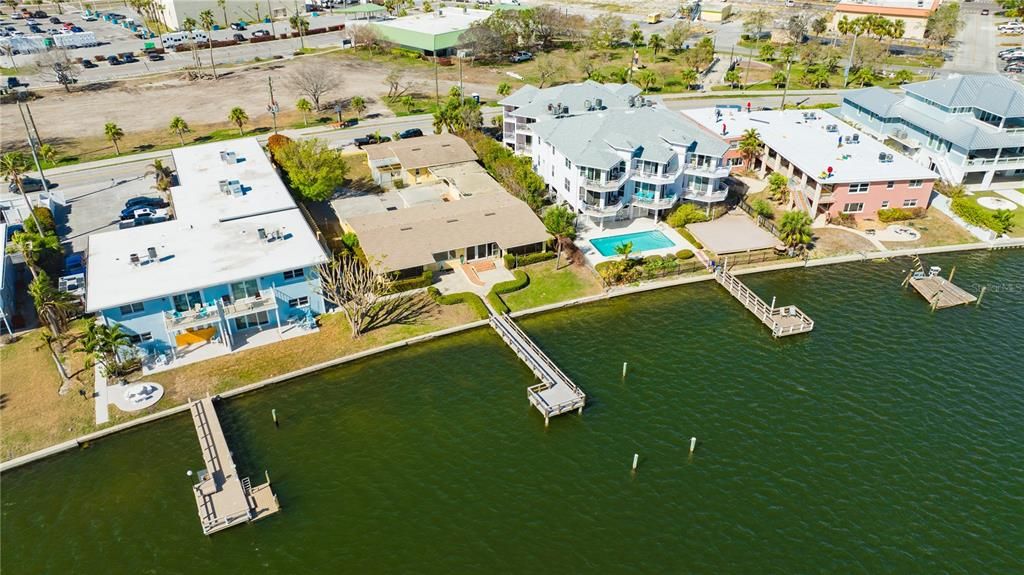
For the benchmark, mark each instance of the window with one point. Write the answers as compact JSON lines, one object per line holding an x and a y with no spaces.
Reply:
{"x":242,"y":290}
{"x":294,"y":274}
{"x":885,"y":204}
{"x":909,"y":203}
{"x":568,"y":164}
{"x":890,"y":185}
{"x":567,"y":186}
{"x":735,"y":161}
{"x":861,"y":188}
{"x":299,"y":301}
{"x":186,"y":301}
{"x":915,"y":183}
{"x":853,"y":208}
{"x":131,"y":308}
{"x":252,"y":320}
{"x":140,"y":337}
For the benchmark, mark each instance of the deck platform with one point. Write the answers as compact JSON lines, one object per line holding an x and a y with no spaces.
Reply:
{"x":783,"y":321}
{"x":941,"y":293}
{"x":223,"y":498}
{"x":556,"y":393}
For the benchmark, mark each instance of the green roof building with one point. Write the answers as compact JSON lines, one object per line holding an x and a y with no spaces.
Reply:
{"x":433,"y":33}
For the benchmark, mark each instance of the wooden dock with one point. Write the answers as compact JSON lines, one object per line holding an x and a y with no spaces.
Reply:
{"x":223,"y":498}
{"x":556,"y":393}
{"x":940,"y":292}
{"x":783,"y":321}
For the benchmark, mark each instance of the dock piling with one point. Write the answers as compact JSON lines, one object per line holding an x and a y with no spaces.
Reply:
{"x":980,"y":295}
{"x":625,"y":365}
{"x":636,"y":459}
{"x":693,"y":443}
{"x":273,"y":413}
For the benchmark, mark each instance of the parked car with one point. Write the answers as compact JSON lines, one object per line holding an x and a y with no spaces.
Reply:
{"x":54,"y":20}
{"x":370,"y":139}
{"x":238,"y":26}
{"x":239,"y":37}
{"x":520,"y":57}
{"x":76,"y":29}
{"x":39,"y":14}
{"x":89,"y":18}
{"x":260,"y":33}
{"x":31,"y":22}
{"x":86,"y":63}
{"x":143,"y":212}
{"x":142,"y":202}
{"x":29,"y":185}
{"x":128,"y":59}
{"x":35,"y":29}
{"x":1015,"y":68}
{"x":154,"y":56}
{"x":113,"y":61}
{"x":13,"y":82}
{"x":1018,"y":53}
{"x":411,"y":133}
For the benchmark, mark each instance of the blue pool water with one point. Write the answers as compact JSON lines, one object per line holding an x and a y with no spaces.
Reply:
{"x":642,"y":241}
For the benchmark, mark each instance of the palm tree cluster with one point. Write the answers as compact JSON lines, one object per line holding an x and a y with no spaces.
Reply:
{"x":163,"y":176}
{"x":560,"y":222}
{"x":104,"y":345}
{"x":795,"y":230}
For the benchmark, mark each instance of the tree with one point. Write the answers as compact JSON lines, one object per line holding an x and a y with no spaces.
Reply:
{"x":897,"y":28}
{"x":358,"y":105}
{"x":1012,"y":8}
{"x":34,"y":247}
{"x":732,"y":77}
{"x":819,"y":25}
{"x":788,"y":53}
{"x":315,"y":82}
{"x":114,"y":134}
{"x":223,"y":5}
{"x":354,"y":287}
{"x":299,"y":24}
{"x":755,"y":21}
{"x":162,"y":174}
{"x":624,"y":249}
{"x":189,"y":25}
{"x":795,"y":229}
{"x":409,"y":103}
{"x":207,"y":22}
{"x":458,"y":115}
{"x":636,"y":35}
{"x":944,"y":24}
{"x":779,"y":79}
{"x":237,"y":116}
{"x":766,"y":52}
{"x":606,"y":31}
{"x":677,"y":35}
{"x":688,"y":77}
{"x":397,"y":84}
{"x":904,"y":77}
{"x":647,"y":79}
{"x":750,"y":146}
{"x":54,"y":307}
{"x":305,"y":107}
{"x":314,"y":170}
{"x":549,"y":69}
{"x":179,"y":126}
{"x":778,"y":187}
{"x":869,"y":53}
{"x":818,"y":76}
{"x":504,"y":89}
{"x":796,"y":27}
{"x":13,"y":166}
{"x":102,"y":344}
{"x":56,"y":65}
{"x":48,"y":154}
{"x":560,"y":222}
{"x":656,"y":43}
{"x":863,"y":76}
{"x":1002,"y":221}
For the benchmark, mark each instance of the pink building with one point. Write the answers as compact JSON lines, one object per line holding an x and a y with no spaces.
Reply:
{"x":833,"y":167}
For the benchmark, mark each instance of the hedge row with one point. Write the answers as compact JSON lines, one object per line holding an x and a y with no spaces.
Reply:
{"x":45,"y":218}
{"x":899,"y":214}
{"x":469,"y":298}
{"x":513,"y":261}
{"x":520,"y":281}
{"x":421,"y":281}
{"x":689,"y":237}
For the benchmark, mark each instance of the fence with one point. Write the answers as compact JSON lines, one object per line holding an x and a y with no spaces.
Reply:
{"x":761,"y":220}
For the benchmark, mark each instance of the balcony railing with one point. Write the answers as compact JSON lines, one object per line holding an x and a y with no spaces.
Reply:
{"x":180,"y":320}
{"x":705,"y":195}
{"x":262,"y":301}
{"x":605,"y":185}
{"x":653,"y":203}
{"x":608,"y":210}
{"x":708,"y":170}
{"x":1005,"y":162}
{"x":655,"y":178}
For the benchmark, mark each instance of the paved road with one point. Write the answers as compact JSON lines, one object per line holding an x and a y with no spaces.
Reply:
{"x":978,"y":43}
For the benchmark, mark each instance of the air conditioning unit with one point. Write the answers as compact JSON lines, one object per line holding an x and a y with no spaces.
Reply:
{"x":598,"y":104}
{"x":229,"y":157}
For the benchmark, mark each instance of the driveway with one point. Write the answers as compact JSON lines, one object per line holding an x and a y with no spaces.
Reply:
{"x":976,"y":52}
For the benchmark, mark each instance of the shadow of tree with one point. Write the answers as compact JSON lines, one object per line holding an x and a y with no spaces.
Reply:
{"x":398,"y":310}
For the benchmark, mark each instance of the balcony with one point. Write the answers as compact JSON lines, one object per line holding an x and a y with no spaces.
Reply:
{"x":826,"y":199}
{"x":697,"y":195}
{"x":904,"y":139}
{"x":598,"y":211}
{"x":263,"y":301}
{"x":652,"y":202}
{"x":1000,"y":163}
{"x":653,"y":178}
{"x":708,"y":170}
{"x":604,"y":186}
{"x":199,"y":315}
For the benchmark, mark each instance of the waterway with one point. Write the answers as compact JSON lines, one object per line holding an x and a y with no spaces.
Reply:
{"x":887,"y":440}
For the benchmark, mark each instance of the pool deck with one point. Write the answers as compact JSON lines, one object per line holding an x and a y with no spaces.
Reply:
{"x":634,"y":226}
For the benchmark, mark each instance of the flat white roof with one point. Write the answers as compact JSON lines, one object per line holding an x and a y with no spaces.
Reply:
{"x":440,"y":21}
{"x":215,"y":238}
{"x":802,"y":137}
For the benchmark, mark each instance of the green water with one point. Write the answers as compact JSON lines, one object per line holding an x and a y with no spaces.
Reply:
{"x":888,"y":440}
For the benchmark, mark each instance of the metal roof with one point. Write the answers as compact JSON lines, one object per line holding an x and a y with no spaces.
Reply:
{"x":533,"y":102}
{"x":990,"y":92}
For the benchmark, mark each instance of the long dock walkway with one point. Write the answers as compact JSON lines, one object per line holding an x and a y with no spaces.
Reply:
{"x":783,"y":321}
{"x":223,"y":498}
{"x":556,"y":393}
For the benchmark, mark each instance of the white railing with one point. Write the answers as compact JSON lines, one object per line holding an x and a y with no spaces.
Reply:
{"x":181,"y":319}
{"x":262,"y":301}
{"x":605,"y":185}
{"x":996,"y":161}
{"x":708,"y":170}
{"x":602,"y":211}
{"x":654,"y":203}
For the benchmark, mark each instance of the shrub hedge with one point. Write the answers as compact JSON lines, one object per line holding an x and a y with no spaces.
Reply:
{"x":469,"y":298}
{"x":971,"y":213}
{"x":521,"y":280}
{"x":684,"y":254}
{"x":689,"y":237}
{"x":421,"y":281}
{"x":45,"y":218}
{"x":512,"y":261}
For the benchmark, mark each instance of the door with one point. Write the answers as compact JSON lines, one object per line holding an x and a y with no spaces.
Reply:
{"x":187,"y":301}
{"x":242,"y":290}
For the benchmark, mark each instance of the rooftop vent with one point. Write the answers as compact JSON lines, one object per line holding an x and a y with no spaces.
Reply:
{"x":229,"y":157}
{"x":832,"y":128}
{"x":598,"y":104}
{"x":588,"y":105}
{"x":151,"y":252}
{"x":134,"y":259}
{"x":262,"y":233}
{"x":884,"y":158}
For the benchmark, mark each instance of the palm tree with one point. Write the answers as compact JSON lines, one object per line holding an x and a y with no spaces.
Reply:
{"x":55,"y":307}
{"x":179,"y":126}
{"x":408,"y":102}
{"x":358,"y":106}
{"x":750,"y":146}
{"x":222,"y":4}
{"x":656,"y":43}
{"x":13,"y":166}
{"x":206,"y":19}
{"x":48,"y":154}
{"x":779,"y":79}
{"x":904,"y":77}
{"x":864,"y":75}
{"x":778,"y":187}
{"x":305,"y":107}
{"x":114,"y":134}
{"x":766,"y":52}
{"x":795,"y":229}
{"x":102,"y":343}
{"x":647,"y":79}
{"x":732,"y":77}
{"x":32,"y":246}
{"x":624,"y":249}
{"x":504,"y":89}
{"x":636,"y":35}
{"x":161,"y":173}
{"x":688,"y":77}
{"x":189,"y":25}
{"x":820,"y":77}
{"x":788,"y":53}
{"x":560,"y":222}
{"x":237,"y":116}
{"x":897,"y":28}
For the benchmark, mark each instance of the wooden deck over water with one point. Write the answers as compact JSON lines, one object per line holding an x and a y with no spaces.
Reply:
{"x":556,"y":393}
{"x":783,"y":321}
{"x":941,"y":293}
{"x":223,"y":498}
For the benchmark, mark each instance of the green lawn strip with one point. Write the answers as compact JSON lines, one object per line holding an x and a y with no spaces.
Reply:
{"x":548,"y":285}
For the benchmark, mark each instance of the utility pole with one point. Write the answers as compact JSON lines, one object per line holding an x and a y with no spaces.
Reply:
{"x":270,"y":15}
{"x":24,"y":196}
{"x":298,"y":24}
{"x":785,"y":89}
{"x":273,"y":108}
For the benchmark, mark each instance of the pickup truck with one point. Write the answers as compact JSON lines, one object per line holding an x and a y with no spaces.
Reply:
{"x":370,"y":139}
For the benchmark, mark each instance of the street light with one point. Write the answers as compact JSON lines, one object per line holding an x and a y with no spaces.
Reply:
{"x":338,"y":109}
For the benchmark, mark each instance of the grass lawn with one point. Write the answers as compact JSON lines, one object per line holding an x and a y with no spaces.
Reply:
{"x":1018,"y":214}
{"x":32,"y":414}
{"x":834,"y":242}
{"x":420,"y":104}
{"x":548,"y":285}
{"x":936,"y":230}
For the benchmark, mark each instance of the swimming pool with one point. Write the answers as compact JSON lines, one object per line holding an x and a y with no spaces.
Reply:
{"x":642,"y":241}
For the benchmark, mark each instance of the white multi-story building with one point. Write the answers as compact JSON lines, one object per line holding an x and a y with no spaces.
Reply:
{"x":610,"y":154}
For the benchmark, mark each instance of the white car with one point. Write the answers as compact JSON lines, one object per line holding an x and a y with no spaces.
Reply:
{"x":89,"y":18}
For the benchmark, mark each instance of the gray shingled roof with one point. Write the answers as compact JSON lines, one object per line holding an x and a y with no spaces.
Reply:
{"x":533,"y":102}
{"x":990,"y":92}
{"x":590,"y":139}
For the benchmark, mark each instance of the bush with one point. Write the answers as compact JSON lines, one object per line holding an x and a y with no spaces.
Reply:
{"x":763,"y":208}
{"x":689,"y":237}
{"x":686,"y":214}
{"x":469,"y":298}
{"x":845,"y":220}
{"x":399,"y":183}
{"x":45,"y":218}
{"x":275,"y":144}
{"x":971,"y":213}
{"x":899,"y":214}
{"x":520,"y":281}
{"x":684,"y":254}
{"x":421,"y":281}
{"x":513,"y":261}
{"x":654,"y":260}
{"x":620,"y":271}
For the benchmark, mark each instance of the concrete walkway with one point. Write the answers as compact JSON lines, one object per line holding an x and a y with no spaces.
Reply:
{"x":101,"y":396}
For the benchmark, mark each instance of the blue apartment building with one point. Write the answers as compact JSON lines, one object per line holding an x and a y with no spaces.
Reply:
{"x":235,"y":267}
